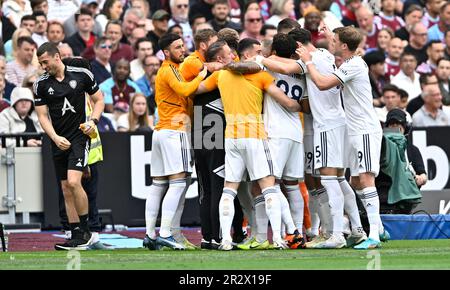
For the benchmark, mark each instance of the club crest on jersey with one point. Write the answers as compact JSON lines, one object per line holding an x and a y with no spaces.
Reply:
{"x":51,"y":91}
{"x":73,"y":84}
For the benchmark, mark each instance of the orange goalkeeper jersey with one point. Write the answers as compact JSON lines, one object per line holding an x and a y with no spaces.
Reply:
{"x":172,"y":93}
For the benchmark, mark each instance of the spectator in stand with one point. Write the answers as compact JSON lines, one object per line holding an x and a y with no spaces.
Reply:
{"x":447,"y":44}
{"x":287,"y":25}
{"x":112,"y":10}
{"x":436,"y":32}
{"x":417,"y":102}
{"x":14,"y":10}
{"x":39,"y":5}
{"x":203,"y":7}
{"x":195,"y":21}
{"x":365,"y":19}
{"x":132,"y":18}
{"x":408,"y":79}
{"x":313,"y":19}
{"x":22,"y":65}
{"x":28,"y":22}
{"x":431,"y":16}
{"x":443,"y":75}
{"x":403,"y":99}
{"x":413,"y":15}
{"x":391,"y":99}
{"x":384,"y":37}
{"x":328,"y":17}
{"x":40,"y":32}
{"x":138,"y":32}
{"x":376,"y":62}
{"x":65,"y":50}
{"x":143,"y":48}
{"x":387,"y":16}
{"x":11,"y":45}
{"x":161,"y":25}
{"x":20,"y":117}
{"x":55,"y":32}
{"x":252,"y":25}
{"x":435,"y":51}
{"x":70,"y":25}
{"x":144,"y":6}
{"x":221,"y":11}
{"x":394,"y":50}
{"x":137,"y":119}
{"x":268,"y":31}
{"x":61,"y":10}
{"x":280,"y":10}
{"x":432,"y":113}
{"x":346,"y":11}
{"x":119,"y":88}
{"x":100,"y":66}
{"x":84,"y":38}
{"x":180,"y":12}
{"x":6,"y":87}
{"x":4,"y":103}
{"x":119,"y":50}
{"x":151,"y":66}
{"x":418,"y":39}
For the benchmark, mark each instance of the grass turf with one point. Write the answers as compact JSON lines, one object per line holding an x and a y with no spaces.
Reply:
{"x":418,"y":254}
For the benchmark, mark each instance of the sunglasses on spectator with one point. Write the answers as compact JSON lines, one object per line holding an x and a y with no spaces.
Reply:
{"x":151,"y":64}
{"x":179,"y":6}
{"x":105,"y":46}
{"x":254,"y":20}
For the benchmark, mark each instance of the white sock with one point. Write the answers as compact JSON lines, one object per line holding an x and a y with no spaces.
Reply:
{"x":226,"y":212}
{"x":314,"y":211}
{"x":177,"y":188}
{"x":273,"y":210}
{"x":335,"y":201}
{"x":296,"y":205}
{"x":261,"y":219}
{"x":350,"y":206}
{"x":176,"y":222}
{"x":326,"y":223}
{"x":286,"y":217}
{"x":369,"y":198}
{"x":157,"y":190}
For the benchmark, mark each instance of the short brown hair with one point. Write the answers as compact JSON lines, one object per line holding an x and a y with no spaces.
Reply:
{"x":203,"y":35}
{"x":350,"y":36}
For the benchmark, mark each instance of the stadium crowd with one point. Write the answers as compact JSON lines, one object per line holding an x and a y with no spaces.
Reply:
{"x":405,"y":44}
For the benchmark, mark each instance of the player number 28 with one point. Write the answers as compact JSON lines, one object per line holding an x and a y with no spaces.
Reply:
{"x":295,"y":92}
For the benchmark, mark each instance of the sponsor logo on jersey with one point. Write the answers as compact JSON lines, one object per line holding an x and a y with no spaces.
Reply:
{"x":51,"y":91}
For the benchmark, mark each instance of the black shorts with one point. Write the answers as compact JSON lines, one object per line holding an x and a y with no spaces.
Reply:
{"x":75,"y":158}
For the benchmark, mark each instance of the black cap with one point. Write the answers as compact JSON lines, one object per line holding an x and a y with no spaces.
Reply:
{"x":396,"y":115}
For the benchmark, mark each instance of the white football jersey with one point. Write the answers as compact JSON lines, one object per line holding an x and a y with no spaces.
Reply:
{"x":308,"y":120}
{"x":278,"y":121}
{"x":325,"y":105}
{"x":359,"y":110}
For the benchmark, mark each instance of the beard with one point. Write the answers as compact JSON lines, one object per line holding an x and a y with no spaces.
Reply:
{"x":176,"y":59}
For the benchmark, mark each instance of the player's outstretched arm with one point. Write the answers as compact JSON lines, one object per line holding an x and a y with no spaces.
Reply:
{"x":248,"y":67}
{"x":282,"y":99}
{"x":46,"y":124}
{"x":283,"y":67}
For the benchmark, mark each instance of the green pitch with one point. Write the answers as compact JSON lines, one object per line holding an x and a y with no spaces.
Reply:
{"x":423,"y":254}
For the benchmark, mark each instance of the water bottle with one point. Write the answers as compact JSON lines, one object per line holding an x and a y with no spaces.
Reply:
{"x":85,"y":126}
